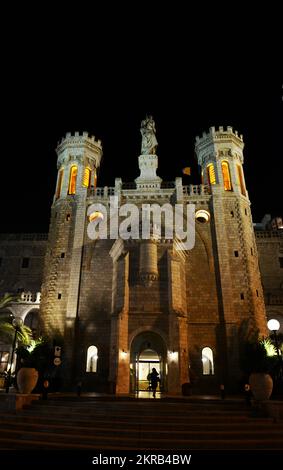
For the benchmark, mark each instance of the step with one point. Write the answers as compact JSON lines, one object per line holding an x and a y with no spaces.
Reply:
{"x":144,"y":431}
{"x":48,"y":440}
{"x":116,"y":424}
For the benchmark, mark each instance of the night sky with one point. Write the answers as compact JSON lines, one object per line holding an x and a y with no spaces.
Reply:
{"x":78,"y":73}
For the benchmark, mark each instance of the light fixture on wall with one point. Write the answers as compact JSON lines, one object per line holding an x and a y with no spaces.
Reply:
{"x":173,"y":356}
{"x":123,"y":354}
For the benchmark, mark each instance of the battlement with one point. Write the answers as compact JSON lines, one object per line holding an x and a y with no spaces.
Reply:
{"x":79,"y":139}
{"x":218,"y":134}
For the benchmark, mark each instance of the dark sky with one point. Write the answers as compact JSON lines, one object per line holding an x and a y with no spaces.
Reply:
{"x":76,"y":73}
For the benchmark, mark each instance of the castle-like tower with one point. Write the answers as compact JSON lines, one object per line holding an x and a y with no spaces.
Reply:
{"x":78,"y":161}
{"x":239,"y":291}
{"x":125,"y":305}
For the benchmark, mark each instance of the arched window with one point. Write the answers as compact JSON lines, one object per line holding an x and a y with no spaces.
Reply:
{"x":241,"y":180}
{"x":73,"y":179}
{"x":59,"y":184}
{"x":86,"y":178}
{"x":207,"y":361}
{"x":211,"y":174}
{"x":91,"y":361}
{"x":94,"y":178}
{"x":226,"y":176}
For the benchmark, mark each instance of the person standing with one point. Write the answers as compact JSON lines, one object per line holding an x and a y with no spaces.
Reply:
{"x":248,"y":394}
{"x":154,"y":381}
{"x":45,"y":389}
{"x":79,"y":388}
{"x":222,"y":391}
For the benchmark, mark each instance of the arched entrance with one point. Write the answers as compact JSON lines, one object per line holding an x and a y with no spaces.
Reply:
{"x":32,"y":321}
{"x":148,"y":350}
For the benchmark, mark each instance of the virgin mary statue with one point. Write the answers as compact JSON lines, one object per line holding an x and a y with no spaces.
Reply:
{"x":149,"y":141}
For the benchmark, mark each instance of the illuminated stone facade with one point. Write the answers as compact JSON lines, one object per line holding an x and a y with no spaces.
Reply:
{"x":130,"y":298}
{"x":95,"y":294}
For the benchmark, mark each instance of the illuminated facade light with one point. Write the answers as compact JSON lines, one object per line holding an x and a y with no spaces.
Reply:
{"x":96,"y":215}
{"x":211,"y":174}
{"x":87,"y":177}
{"x":226,"y":176}
{"x":123,"y":354}
{"x":173,"y":356}
{"x":73,"y":179}
{"x":202,"y":216}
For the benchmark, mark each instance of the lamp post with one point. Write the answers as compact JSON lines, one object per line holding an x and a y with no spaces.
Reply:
{"x":274,"y":325}
{"x":17,"y":324}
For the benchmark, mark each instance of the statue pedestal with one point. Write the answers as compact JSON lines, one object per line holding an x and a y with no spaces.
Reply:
{"x":148,"y":178}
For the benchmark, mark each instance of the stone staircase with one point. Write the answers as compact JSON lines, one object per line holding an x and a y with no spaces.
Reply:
{"x":93,"y":423}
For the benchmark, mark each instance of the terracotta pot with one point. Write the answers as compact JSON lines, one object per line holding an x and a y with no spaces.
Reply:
{"x":27,"y":378}
{"x":261,"y":385}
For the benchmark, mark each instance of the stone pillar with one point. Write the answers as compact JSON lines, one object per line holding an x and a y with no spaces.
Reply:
{"x":148,"y":266}
{"x":178,"y":366}
{"x":179,"y":190}
{"x":119,"y":368}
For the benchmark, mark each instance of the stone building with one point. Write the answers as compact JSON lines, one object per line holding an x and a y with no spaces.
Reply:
{"x":125,"y":304}
{"x":269,"y":239}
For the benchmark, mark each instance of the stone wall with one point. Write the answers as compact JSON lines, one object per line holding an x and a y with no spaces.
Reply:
{"x":14,"y":248}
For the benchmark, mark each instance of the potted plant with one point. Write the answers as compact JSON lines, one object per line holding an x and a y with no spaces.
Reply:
{"x":33,"y":360}
{"x":258,"y":364}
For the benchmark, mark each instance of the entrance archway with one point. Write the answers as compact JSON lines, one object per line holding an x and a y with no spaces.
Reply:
{"x":148,"y":350}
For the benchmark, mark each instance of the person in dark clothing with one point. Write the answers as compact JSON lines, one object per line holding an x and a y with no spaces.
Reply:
{"x":45,"y":388}
{"x":154,"y":379}
{"x":79,"y":388}
{"x":248,"y":394}
{"x":222,"y":391}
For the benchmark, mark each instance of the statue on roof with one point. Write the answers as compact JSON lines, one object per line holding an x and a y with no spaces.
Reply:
{"x":149,"y":141}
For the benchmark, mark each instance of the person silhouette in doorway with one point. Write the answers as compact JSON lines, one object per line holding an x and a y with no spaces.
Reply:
{"x":154,"y":379}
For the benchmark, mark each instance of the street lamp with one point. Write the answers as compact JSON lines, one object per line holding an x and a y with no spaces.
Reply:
{"x":274,"y":325}
{"x":17,"y":324}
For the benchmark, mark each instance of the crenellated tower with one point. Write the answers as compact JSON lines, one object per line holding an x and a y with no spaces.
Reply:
{"x":79,"y":157}
{"x":220,"y":155}
{"x":241,"y":302}
{"x":78,"y":161}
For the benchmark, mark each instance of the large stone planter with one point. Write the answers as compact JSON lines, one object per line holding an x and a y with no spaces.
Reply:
{"x":261,"y":386}
{"x":27,"y":378}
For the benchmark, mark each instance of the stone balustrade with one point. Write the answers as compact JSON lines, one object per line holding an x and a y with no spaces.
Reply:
{"x":269,"y":233}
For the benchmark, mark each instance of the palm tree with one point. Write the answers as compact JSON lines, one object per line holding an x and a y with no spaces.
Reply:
{"x":7,"y":330}
{"x":7,"y":299}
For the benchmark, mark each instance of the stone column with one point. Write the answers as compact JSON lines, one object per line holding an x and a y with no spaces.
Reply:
{"x":178,"y":367}
{"x":119,"y":374}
